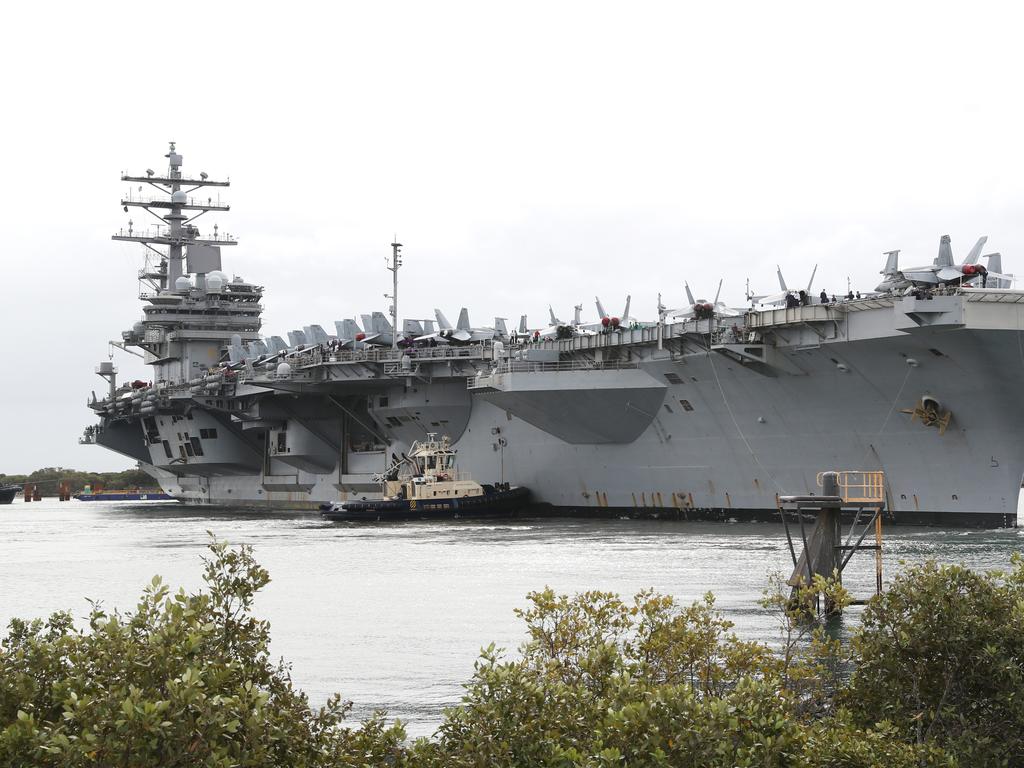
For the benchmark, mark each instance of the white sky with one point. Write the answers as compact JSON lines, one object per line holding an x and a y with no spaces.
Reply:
{"x":525,"y":153}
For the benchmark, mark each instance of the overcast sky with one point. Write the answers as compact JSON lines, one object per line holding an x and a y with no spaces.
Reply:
{"x":525,"y":153}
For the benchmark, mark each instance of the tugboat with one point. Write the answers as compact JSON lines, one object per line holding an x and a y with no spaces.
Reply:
{"x":425,"y":484}
{"x":8,"y":492}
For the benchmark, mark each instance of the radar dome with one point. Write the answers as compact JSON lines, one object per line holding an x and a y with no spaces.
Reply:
{"x":222,"y":276}
{"x":283,"y":369}
{"x":182,"y":284}
{"x":214,"y":284}
{"x":179,"y":198}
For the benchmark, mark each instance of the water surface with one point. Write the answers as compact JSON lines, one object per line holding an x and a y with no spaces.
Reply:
{"x":393,"y":616}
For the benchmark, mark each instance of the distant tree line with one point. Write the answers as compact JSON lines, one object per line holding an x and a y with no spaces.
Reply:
{"x":49,"y":478}
{"x":933,"y":676}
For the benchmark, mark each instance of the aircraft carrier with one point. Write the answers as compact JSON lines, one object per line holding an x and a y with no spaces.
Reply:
{"x":702,"y":413}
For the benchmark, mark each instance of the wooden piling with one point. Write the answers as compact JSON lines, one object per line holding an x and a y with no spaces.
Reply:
{"x":824,"y":553}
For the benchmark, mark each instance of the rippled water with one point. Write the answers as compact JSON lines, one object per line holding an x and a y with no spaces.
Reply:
{"x":393,"y":616}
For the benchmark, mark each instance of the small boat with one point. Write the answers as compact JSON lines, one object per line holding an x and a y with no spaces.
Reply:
{"x":8,"y":492}
{"x":425,"y":484}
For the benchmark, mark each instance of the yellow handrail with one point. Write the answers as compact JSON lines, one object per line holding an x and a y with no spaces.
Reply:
{"x":859,"y":486}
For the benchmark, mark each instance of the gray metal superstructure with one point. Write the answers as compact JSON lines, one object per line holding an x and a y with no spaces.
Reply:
{"x":711,"y":416}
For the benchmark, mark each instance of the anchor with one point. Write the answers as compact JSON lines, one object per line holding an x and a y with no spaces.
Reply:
{"x":931,"y":413}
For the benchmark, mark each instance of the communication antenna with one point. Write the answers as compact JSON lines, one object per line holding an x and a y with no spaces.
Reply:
{"x":396,"y":263}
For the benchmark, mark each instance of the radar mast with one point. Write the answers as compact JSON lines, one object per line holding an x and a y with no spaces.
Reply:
{"x":175,"y":232}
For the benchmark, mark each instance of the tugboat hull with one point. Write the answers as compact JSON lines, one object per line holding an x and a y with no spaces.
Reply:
{"x":493,"y":504}
{"x":7,"y":493}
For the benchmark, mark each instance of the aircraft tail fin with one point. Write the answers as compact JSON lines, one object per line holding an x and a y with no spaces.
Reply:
{"x":522,"y":324}
{"x":500,"y":329}
{"x":782,"y":280}
{"x":367,"y":323}
{"x":236,"y":351}
{"x":381,"y":324}
{"x":945,"y":257}
{"x":600,"y":309}
{"x":577,"y":315}
{"x":892,"y":263}
{"x":689,"y":295}
{"x":442,"y":321}
{"x":551,"y":313}
{"x":811,"y":281}
{"x":463,"y":324}
{"x":625,"y":312}
{"x":975,"y":254}
{"x":412,"y":328}
{"x":995,"y":266}
{"x":347,"y":329}
{"x":718,"y":292}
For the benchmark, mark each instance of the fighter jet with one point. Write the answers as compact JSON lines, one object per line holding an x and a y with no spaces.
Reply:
{"x":702,"y":307}
{"x":558,"y":329}
{"x":942,"y":271}
{"x":609,"y":321}
{"x":780,"y":298}
{"x":463,"y":332}
{"x":378,"y":331}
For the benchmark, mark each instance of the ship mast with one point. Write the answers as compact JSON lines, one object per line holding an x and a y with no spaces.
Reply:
{"x":396,"y":262}
{"x":176,"y":231}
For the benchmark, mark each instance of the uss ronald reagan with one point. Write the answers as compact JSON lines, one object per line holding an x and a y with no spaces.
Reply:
{"x":710,"y":416}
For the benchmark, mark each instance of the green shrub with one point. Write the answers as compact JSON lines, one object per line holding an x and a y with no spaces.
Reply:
{"x":183,"y":680}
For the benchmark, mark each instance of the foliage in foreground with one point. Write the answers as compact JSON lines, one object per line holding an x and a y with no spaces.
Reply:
{"x":932,"y":677}
{"x":183,"y":680}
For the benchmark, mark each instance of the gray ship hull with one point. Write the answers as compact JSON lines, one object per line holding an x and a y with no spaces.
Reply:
{"x":720,"y":439}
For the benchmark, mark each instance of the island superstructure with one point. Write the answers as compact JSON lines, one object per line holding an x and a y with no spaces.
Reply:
{"x":707,"y":414}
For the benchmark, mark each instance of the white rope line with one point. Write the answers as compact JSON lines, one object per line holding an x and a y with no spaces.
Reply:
{"x":736,"y":424}
{"x":895,"y":402}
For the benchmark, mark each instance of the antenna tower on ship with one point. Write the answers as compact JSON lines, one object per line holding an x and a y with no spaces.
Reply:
{"x":175,"y":232}
{"x":396,"y":262}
